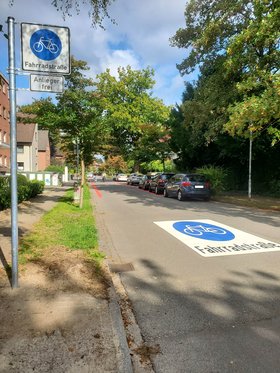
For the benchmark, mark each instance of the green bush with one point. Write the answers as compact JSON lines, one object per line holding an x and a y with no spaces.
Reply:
{"x":23,"y":193}
{"x":5,"y":193}
{"x":36,"y":187}
{"x":216,"y":175}
{"x":22,"y":180}
{"x":26,"y":190}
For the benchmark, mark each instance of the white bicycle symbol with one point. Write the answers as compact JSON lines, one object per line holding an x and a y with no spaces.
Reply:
{"x":199,"y":230}
{"x":45,"y":44}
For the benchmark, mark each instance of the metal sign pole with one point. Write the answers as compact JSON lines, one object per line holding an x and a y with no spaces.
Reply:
{"x":13,"y":145}
{"x":250,"y":166}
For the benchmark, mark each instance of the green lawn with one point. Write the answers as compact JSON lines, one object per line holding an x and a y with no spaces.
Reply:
{"x":65,"y":225}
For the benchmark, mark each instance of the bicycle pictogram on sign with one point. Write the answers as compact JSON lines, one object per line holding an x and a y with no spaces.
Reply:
{"x":45,"y":44}
{"x":203,"y":231}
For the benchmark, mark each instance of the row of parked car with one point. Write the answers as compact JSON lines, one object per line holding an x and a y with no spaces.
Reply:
{"x":180,"y":185}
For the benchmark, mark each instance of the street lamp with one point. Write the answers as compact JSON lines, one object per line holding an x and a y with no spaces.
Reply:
{"x":250,"y":164}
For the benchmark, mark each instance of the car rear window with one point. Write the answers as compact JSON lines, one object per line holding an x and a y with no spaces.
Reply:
{"x":166,"y":177}
{"x":196,"y":178}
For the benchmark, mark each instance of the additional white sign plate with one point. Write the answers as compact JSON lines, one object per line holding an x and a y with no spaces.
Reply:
{"x":209,"y":238}
{"x":46,"y":83}
{"x":45,"y":48}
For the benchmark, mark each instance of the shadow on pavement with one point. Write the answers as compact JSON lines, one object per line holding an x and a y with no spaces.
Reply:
{"x":231,"y":327}
{"x":6,"y":266}
{"x":138,"y":196}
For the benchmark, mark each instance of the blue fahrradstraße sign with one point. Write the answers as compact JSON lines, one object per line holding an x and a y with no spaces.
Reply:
{"x":45,"y":48}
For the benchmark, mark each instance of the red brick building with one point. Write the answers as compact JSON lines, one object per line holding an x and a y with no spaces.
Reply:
{"x":4,"y":125}
{"x":44,"y":153}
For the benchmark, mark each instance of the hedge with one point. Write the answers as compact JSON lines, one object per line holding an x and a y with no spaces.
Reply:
{"x":26,"y":190}
{"x":217,"y":177}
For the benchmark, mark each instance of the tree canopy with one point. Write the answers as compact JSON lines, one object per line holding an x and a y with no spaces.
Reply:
{"x":132,"y":114}
{"x":234,"y":47}
{"x":77,"y":115}
{"x":245,"y":36}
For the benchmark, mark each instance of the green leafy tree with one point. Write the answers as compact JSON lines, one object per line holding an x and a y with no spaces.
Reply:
{"x":115,"y":164}
{"x":255,"y":52}
{"x":130,"y":111}
{"x":209,"y":27}
{"x":77,"y":116}
{"x":245,"y":35}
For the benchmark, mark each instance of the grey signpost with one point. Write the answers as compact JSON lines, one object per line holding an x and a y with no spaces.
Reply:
{"x":45,"y":49}
{"x":13,"y":150}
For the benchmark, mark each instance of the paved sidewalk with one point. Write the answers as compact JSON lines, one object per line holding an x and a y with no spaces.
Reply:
{"x":43,"y":327}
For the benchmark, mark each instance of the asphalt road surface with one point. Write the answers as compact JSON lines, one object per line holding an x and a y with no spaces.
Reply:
{"x":207,"y":313}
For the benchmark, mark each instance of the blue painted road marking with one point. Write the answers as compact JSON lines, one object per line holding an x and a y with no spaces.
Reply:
{"x":45,"y":44}
{"x":203,"y":231}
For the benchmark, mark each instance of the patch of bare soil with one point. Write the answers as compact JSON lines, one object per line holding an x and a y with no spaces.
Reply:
{"x":58,"y":319}
{"x":259,"y":202}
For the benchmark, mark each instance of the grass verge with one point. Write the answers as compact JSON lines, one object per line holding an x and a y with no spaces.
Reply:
{"x":65,"y":225}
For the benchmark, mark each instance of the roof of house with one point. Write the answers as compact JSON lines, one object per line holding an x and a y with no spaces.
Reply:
{"x":25,"y":132}
{"x":43,"y":140}
{"x":3,"y":77}
{"x":4,"y":169}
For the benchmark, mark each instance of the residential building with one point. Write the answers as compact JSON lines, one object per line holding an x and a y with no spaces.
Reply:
{"x":4,"y":125}
{"x":44,"y":153}
{"x":27,"y":147}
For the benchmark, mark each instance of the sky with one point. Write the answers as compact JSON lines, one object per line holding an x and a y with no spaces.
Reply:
{"x":140,"y":38}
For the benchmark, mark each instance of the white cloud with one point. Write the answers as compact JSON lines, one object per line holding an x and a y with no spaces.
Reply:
{"x":120,"y":58}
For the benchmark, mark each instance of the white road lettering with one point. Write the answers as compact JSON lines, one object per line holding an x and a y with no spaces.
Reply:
{"x":209,"y":238}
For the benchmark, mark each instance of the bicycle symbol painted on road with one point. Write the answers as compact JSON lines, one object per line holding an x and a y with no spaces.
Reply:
{"x":45,"y":44}
{"x":203,"y":231}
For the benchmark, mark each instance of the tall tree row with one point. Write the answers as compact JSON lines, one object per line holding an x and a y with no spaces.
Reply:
{"x":234,"y":47}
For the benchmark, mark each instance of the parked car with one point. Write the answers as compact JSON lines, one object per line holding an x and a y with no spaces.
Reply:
{"x":144,"y":182}
{"x":157,"y":182}
{"x":184,"y":186}
{"x":121,"y":177}
{"x":133,"y":179}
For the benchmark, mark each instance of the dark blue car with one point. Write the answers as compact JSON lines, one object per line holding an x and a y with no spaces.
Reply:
{"x":183,"y":186}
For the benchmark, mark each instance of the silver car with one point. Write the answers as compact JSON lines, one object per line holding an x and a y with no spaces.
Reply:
{"x":134,"y":179}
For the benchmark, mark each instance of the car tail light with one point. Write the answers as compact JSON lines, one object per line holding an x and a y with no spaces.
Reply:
{"x":207,"y":185}
{"x":186,"y":183}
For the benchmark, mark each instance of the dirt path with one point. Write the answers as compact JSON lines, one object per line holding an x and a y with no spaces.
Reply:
{"x":58,"y":320}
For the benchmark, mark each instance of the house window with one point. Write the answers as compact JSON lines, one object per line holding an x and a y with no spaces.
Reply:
{"x":20,"y":149}
{"x":4,"y":88}
{"x":5,"y":137}
{"x":20,"y":166}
